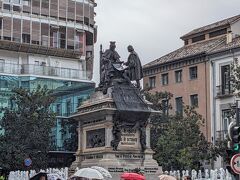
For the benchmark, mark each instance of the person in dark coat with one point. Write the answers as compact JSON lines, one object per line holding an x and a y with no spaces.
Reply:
{"x":135,"y":71}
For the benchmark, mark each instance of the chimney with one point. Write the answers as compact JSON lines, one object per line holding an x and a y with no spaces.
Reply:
{"x":229,"y":37}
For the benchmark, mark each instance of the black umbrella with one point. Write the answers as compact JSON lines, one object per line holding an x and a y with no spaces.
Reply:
{"x":39,"y":175}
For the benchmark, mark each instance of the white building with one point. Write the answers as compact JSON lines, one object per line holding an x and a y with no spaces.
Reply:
{"x":222,"y":96}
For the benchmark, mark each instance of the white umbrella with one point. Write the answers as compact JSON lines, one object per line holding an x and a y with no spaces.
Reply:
{"x":166,"y":177}
{"x":54,"y":176}
{"x":88,"y":173}
{"x":104,"y":172}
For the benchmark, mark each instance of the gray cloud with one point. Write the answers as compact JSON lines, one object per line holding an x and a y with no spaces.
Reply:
{"x":153,"y":27}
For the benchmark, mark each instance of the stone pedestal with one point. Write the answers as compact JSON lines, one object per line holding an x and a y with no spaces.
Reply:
{"x":96,"y":124}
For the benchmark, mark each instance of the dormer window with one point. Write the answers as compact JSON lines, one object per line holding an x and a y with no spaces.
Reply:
{"x":7,"y":7}
{"x":217,"y":33}
{"x":198,"y":38}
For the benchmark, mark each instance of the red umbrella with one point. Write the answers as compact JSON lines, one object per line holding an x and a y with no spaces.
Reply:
{"x":132,"y":176}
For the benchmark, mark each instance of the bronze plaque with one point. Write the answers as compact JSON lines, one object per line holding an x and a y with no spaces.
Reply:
{"x":95,"y":138}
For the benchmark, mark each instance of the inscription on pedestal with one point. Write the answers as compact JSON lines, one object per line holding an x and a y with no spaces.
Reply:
{"x":93,"y":156}
{"x":149,"y":170}
{"x":129,"y":137}
{"x":129,"y":156}
{"x":95,"y":138}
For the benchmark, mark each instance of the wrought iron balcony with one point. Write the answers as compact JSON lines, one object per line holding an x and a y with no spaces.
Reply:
{"x":32,"y":69}
{"x":224,"y":90}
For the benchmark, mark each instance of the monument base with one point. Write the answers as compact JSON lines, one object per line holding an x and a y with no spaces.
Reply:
{"x":97,"y":133}
{"x":118,"y":162}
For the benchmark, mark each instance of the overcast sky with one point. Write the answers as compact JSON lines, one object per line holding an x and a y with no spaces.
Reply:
{"x":154,"y":27}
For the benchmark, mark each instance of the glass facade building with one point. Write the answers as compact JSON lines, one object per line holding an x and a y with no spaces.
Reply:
{"x":49,"y":43}
{"x":69,"y":95}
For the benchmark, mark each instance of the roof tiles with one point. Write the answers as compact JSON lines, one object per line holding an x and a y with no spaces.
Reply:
{"x":188,"y":51}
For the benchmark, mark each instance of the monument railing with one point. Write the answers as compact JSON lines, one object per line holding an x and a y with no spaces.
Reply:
{"x":26,"y":175}
{"x":195,"y":175}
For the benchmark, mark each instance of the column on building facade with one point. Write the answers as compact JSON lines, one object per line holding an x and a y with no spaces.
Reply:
{"x":79,"y":131}
{"x":79,"y":136}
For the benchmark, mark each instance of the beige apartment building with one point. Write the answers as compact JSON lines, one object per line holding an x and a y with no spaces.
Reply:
{"x":186,"y":71}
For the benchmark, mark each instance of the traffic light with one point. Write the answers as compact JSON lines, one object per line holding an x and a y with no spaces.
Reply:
{"x":235,"y":136}
{"x":233,"y":144}
{"x":236,"y":147}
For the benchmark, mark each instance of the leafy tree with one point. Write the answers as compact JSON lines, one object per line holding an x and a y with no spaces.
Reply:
{"x":176,"y":139}
{"x":182,"y":145}
{"x":160,"y":120}
{"x":70,"y":126}
{"x":26,"y":129}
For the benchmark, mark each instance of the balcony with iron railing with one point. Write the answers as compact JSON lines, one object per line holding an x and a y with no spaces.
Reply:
{"x":31,"y":69}
{"x":224,"y":90}
{"x":10,"y":68}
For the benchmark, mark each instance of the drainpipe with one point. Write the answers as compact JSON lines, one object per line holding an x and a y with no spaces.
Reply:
{"x":206,"y":98}
{"x":213,"y":108}
{"x":213,"y":103}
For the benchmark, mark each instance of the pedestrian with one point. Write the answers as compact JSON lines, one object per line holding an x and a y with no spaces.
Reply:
{"x":187,"y":178}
